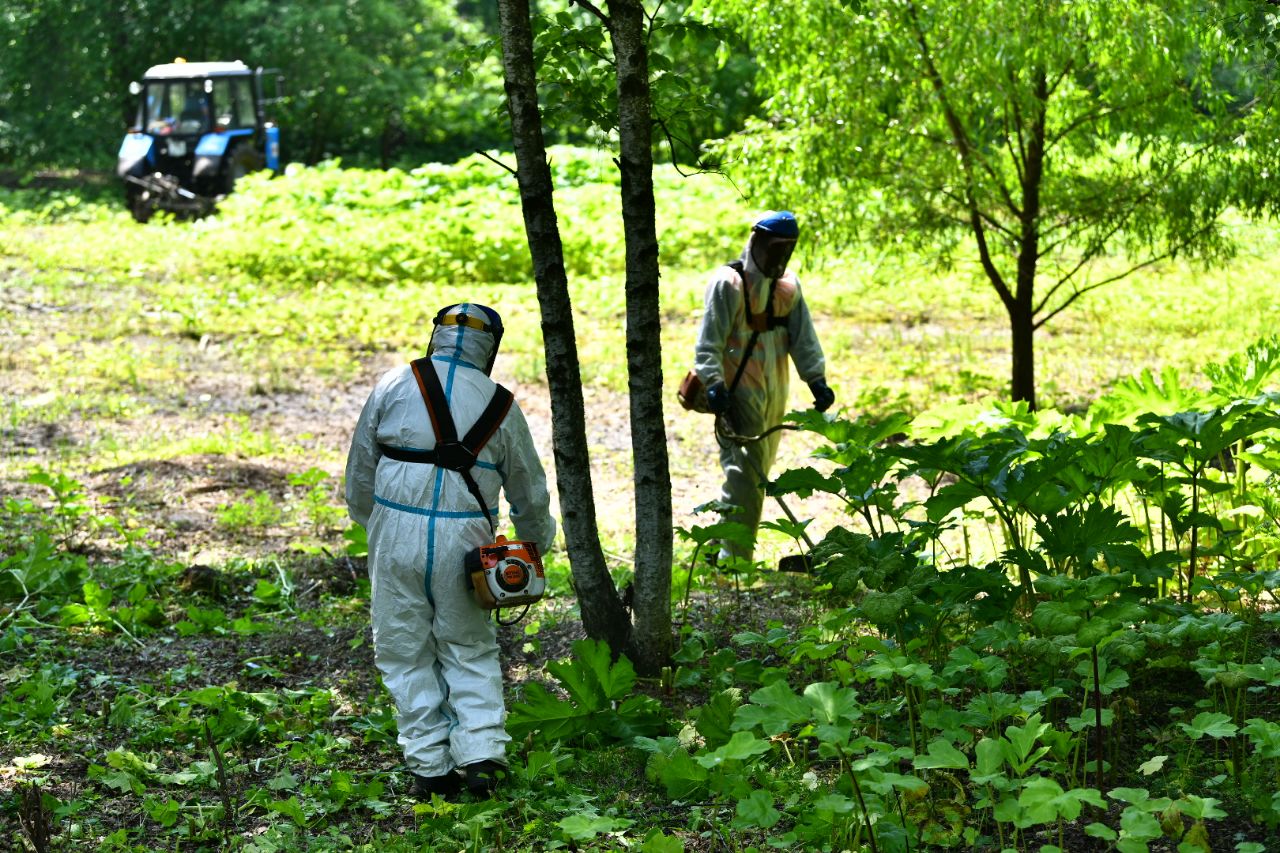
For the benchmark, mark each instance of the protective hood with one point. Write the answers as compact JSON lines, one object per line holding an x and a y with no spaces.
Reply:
{"x":467,"y":333}
{"x":773,"y":239}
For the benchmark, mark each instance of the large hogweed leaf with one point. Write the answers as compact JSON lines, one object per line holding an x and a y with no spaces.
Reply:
{"x":599,"y":703}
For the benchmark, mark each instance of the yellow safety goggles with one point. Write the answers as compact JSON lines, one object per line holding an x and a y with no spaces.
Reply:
{"x":465,"y":320}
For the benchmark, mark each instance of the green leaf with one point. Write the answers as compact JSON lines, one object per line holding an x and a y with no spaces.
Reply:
{"x":97,"y":599}
{"x":591,"y":678}
{"x":1152,"y":765}
{"x":1023,"y":738}
{"x":941,"y":755}
{"x":988,"y":757}
{"x":1207,"y":724}
{"x":1054,"y":618}
{"x":1138,"y":824}
{"x":832,"y":703}
{"x":657,"y":842}
{"x":290,"y":808}
{"x":774,"y":708}
{"x":1201,"y":808}
{"x":803,"y":482}
{"x":756,"y":811}
{"x":886,"y":608}
{"x":540,"y":711}
{"x":1101,"y":830}
{"x":680,"y":775}
{"x":284,"y":780}
{"x":742,"y":746}
{"x":1094,"y":631}
{"x":1038,"y":801}
{"x":581,"y":827}
{"x":714,"y":720}
{"x":122,"y":780}
{"x":163,"y":812}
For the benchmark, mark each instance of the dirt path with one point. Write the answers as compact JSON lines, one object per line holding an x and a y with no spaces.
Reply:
{"x":179,"y":496}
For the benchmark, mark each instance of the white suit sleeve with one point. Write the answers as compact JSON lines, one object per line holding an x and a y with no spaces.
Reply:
{"x":362,"y":461}
{"x":806,"y":352}
{"x":525,"y":483}
{"x":718,"y":314}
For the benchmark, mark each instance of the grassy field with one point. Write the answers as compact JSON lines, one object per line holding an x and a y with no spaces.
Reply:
{"x":183,"y":629}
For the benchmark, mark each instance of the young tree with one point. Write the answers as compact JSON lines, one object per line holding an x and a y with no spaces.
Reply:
{"x":603,"y":616}
{"x":648,"y":641}
{"x":1072,"y":143}
{"x":652,"y":593}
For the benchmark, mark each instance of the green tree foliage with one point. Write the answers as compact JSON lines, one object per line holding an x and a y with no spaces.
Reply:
{"x":374,"y":82}
{"x":702,"y":83}
{"x":371,"y":81}
{"x":1064,"y":144}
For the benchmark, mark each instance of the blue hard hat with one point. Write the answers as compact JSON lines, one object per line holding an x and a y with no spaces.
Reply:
{"x":781,"y":224}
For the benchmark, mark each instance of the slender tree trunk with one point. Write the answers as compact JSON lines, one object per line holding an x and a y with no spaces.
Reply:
{"x":1022,"y":311}
{"x":1022,"y":328}
{"x":650,"y":645}
{"x":603,"y":616}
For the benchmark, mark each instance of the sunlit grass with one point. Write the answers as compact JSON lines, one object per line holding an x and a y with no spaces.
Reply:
{"x":307,"y":280}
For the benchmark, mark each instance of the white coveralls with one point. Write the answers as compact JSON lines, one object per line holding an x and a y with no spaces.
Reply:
{"x":436,"y":648}
{"x":760,"y":399}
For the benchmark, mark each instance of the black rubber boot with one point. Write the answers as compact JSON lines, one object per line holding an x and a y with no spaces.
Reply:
{"x":483,"y":776}
{"x":446,"y":786}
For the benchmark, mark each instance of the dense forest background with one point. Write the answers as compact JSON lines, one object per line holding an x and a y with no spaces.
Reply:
{"x":372,"y":82}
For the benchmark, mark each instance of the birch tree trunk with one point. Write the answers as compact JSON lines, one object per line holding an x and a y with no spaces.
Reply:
{"x":603,"y":616}
{"x":650,"y":645}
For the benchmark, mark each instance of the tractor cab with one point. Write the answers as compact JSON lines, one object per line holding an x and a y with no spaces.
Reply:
{"x":198,"y":127}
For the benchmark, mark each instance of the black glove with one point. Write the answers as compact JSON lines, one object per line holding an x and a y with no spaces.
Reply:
{"x":717,"y":398}
{"x":823,"y":396}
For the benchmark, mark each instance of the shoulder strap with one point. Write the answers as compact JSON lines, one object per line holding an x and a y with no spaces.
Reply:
{"x":765,"y":321}
{"x":489,"y":421}
{"x":437,"y":403}
{"x":757,"y":323}
{"x":449,"y":452}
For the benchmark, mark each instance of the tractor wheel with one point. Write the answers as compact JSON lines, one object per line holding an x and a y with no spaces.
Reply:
{"x":139,"y":203}
{"x":235,"y":167}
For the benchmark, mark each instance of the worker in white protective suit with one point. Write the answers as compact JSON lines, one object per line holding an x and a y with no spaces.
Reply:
{"x":436,"y":648}
{"x":750,"y":389}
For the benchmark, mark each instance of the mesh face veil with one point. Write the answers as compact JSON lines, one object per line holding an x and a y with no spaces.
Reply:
{"x":773,"y":239}
{"x":771,"y":253}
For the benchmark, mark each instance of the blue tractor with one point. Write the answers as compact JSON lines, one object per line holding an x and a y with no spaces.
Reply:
{"x":199,"y":127}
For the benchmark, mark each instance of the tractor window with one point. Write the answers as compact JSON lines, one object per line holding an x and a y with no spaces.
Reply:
{"x":224,"y":104}
{"x":245,"y":113}
{"x":233,"y":101}
{"x":176,"y":106}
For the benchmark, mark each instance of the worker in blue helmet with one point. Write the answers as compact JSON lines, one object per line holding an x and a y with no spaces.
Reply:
{"x":755,"y":303}
{"x":436,"y":648}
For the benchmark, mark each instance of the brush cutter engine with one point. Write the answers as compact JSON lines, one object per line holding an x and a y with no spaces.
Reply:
{"x":507,"y":573}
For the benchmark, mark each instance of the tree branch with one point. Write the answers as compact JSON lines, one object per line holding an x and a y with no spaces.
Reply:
{"x":1168,"y":253}
{"x":700,"y":167}
{"x":1099,"y":243}
{"x":488,"y":156}
{"x":966,"y":158}
{"x":590,"y":7}
{"x":653,"y":19}
{"x":1092,"y":116}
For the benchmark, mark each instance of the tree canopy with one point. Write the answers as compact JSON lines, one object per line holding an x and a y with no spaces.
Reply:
{"x":1064,"y":144}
